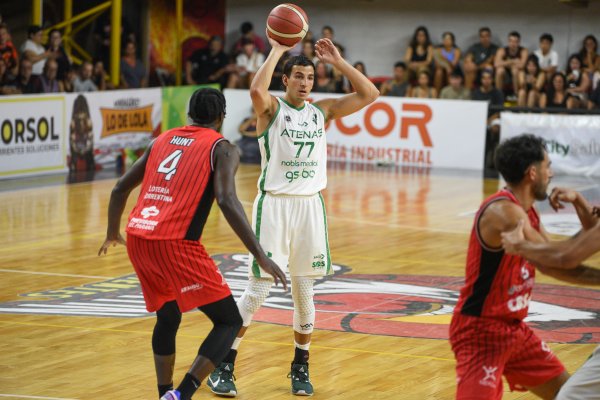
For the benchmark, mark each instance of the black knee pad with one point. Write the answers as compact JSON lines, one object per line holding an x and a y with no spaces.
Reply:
{"x":227,"y":323}
{"x":168,"y":319}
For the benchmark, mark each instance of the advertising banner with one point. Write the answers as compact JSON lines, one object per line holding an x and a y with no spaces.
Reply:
{"x":33,"y":135}
{"x":405,"y":131}
{"x":572,"y":141}
{"x":101,"y":124}
{"x":175,"y":101}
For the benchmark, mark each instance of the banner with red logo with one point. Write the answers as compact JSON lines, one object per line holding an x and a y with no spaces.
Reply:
{"x":394,"y":130}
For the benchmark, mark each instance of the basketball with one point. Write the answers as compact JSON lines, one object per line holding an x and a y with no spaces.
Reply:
{"x":287,"y":24}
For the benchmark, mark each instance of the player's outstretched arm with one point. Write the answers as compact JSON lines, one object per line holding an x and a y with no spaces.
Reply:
{"x":584,"y":210}
{"x":226,"y":163}
{"x":118,"y":198}
{"x":365,"y":94}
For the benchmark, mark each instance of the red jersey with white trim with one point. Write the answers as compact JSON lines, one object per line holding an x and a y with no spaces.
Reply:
{"x":497,"y":285}
{"x":177,"y":191}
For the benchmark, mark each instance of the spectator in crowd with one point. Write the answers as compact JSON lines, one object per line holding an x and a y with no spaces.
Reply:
{"x":488,"y":92}
{"x":299,"y":47}
{"x":455,"y":90}
{"x":328,"y":33}
{"x":308,"y":49}
{"x":447,"y":57}
{"x":99,"y":76}
{"x":419,"y":54}
{"x":247,"y":63}
{"x":347,"y":86}
{"x":26,"y":82}
{"x":8,"y":51}
{"x":589,"y":54}
{"x":423,"y":89}
{"x":547,"y":58}
{"x":33,"y":50}
{"x":69,"y":81}
{"x":479,"y":56}
{"x":248,"y":144}
{"x":83,"y":82}
{"x":594,"y":100}
{"x":557,"y":95}
{"x":8,"y":83}
{"x":532,"y":81}
{"x":48,"y":81}
{"x":247,"y":31}
{"x":277,"y":78}
{"x":398,"y":85}
{"x":58,"y":53}
{"x":578,"y":82}
{"x":508,"y":62}
{"x":208,"y":65}
{"x":324,"y":82}
{"x":133,"y":72}
{"x":102,"y":39}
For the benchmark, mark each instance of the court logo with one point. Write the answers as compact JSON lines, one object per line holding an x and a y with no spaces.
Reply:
{"x":417,"y":306}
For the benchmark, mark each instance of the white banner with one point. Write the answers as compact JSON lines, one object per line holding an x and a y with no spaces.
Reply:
{"x":33,"y":139}
{"x":431,"y":133}
{"x":572,"y":141}
{"x":103,"y":123}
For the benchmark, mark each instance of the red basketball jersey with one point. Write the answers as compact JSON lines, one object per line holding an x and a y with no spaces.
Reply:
{"x":177,"y":191}
{"x":497,"y":285}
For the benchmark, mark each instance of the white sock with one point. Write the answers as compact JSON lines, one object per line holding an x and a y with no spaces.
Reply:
{"x":302,"y":346}
{"x":236,"y":343}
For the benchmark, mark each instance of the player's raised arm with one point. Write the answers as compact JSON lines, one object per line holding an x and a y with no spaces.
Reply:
{"x":226,"y":163}
{"x":118,"y":198}
{"x":365,"y":94}
{"x":264,"y":104}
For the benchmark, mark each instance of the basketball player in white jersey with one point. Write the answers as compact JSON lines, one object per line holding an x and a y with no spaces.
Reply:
{"x":289,"y":214}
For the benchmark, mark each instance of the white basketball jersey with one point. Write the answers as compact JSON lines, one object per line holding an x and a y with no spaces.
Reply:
{"x":294,"y":151}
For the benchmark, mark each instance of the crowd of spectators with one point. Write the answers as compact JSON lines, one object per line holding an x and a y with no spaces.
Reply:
{"x":509,"y":75}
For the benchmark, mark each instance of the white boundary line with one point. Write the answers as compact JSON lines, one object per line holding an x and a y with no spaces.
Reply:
{"x":22,"y":396}
{"x":17,"y":271}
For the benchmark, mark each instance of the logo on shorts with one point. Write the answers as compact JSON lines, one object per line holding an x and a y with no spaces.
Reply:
{"x":490,"y":376}
{"x":195,"y":286}
{"x":150,"y":212}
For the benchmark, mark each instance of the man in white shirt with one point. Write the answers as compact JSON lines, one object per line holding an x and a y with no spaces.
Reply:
{"x":547,"y":57}
{"x":33,"y":50}
{"x":83,"y":82}
{"x":247,"y":63}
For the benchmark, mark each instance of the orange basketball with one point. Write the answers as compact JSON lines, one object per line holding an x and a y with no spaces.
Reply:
{"x":287,"y":24}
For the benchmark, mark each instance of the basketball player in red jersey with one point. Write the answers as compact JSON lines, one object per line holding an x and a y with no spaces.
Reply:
{"x":487,"y":332}
{"x":181,"y":173}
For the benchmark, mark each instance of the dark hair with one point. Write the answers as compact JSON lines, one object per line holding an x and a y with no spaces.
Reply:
{"x":206,"y":106}
{"x":413,"y":41}
{"x":536,"y":61}
{"x":583,"y":51}
{"x":246,"y":27}
{"x":488,"y":71}
{"x":451,"y":36}
{"x":571,"y":57}
{"x":356,"y":64}
{"x":33,"y":29}
{"x":485,"y":29}
{"x":400,"y":64}
{"x":457,"y":73}
{"x":551,"y":90}
{"x":52,"y":31}
{"x":515,"y":34}
{"x":548,"y":37}
{"x":329,"y":28}
{"x":300,"y":60}
{"x":515,"y":155}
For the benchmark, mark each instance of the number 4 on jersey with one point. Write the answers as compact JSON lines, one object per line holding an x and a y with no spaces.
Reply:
{"x":169,"y":165}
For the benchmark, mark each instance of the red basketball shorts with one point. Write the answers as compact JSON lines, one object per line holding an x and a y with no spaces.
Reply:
{"x":486,"y":349}
{"x":178,"y":270}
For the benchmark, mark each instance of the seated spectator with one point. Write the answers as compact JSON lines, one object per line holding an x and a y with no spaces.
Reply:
{"x":208,"y":65}
{"x":548,"y":58}
{"x":247,"y":31}
{"x":299,"y":47}
{"x":247,"y":63}
{"x":398,"y":85}
{"x":33,"y":50}
{"x":48,"y":82}
{"x":133,"y":72}
{"x":557,"y":95}
{"x":419,"y":54}
{"x":69,"y":81}
{"x":423,"y":89}
{"x":360,"y":67}
{"x":488,"y":92}
{"x":308,"y":49}
{"x":455,"y":90}
{"x":446,"y":58}
{"x":26,"y":82}
{"x":578,"y":82}
{"x":83,"y":82}
{"x":277,"y":77}
{"x":594,"y":100}
{"x":328,"y":33}
{"x":8,"y":83}
{"x":589,"y":54}
{"x":248,"y":144}
{"x":8,"y":51}
{"x":479,"y":56}
{"x":508,"y":62}
{"x":531,"y":83}
{"x":57,"y":52}
{"x":99,"y":76}
{"x":324,"y":82}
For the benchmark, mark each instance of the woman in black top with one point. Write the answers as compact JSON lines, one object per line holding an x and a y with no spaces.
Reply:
{"x":419,"y":55}
{"x":557,"y":96}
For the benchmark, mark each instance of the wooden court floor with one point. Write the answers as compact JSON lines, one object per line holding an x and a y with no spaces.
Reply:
{"x":73,"y":325}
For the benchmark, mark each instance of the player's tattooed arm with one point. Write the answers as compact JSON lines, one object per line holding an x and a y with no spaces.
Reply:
{"x":226,"y":161}
{"x":118,"y":198}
